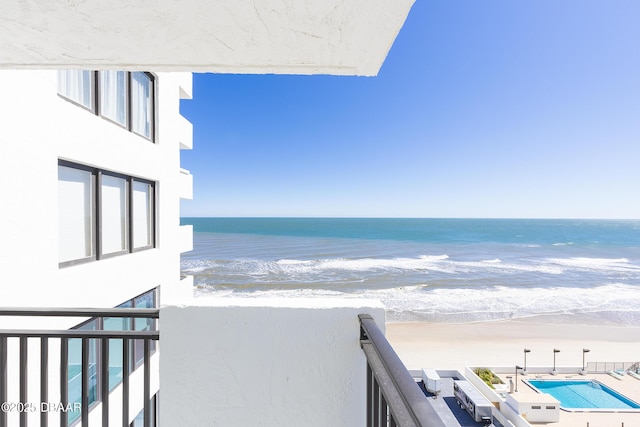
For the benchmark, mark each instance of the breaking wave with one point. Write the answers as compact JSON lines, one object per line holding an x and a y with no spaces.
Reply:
{"x":612,"y":303}
{"x":424,"y":263}
{"x":458,"y":271}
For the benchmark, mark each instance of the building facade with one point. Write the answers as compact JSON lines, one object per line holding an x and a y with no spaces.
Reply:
{"x":91,"y":190}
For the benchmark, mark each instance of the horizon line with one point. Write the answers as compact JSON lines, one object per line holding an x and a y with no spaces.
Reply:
{"x":410,"y":217}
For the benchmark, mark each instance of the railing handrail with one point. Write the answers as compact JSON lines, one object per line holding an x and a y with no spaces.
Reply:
{"x":99,"y":337}
{"x":602,"y":367}
{"x":79,"y":333}
{"x":149,"y":313}
{"x":406,"y":401}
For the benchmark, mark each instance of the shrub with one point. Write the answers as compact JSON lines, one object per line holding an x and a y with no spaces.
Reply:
{"x":487,"y":376}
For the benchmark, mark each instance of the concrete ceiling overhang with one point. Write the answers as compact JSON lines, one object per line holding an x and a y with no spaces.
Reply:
{"x":342,"y":37}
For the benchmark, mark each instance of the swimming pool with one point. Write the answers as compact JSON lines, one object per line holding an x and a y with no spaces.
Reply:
{"x":583,"y":394}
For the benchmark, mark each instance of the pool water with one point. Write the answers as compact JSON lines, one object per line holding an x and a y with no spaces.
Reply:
{"x":583,"y":394}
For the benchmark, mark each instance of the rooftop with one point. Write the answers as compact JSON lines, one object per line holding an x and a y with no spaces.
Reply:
{"x":628,"y":386}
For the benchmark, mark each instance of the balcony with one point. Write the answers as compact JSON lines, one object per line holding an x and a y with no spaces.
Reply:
{"x":185,"y":133}
{"x":62,"y":377}
{"x":224,"y":361}
{"x":185,"y":238}
{"x":186,"y":184}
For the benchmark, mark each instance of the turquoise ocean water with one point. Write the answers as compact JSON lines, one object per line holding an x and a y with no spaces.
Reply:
{"x":443,"y":270}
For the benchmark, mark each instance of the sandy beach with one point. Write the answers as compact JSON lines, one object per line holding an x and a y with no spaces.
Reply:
{"x":454,"y":346}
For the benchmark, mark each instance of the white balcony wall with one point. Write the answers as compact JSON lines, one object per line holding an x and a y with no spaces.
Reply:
{"x":264,"y":362}
{"x":186,"y":184}
{"x":185,"y":289}
{"x":185,"y":133}
{"x":186,"y":238}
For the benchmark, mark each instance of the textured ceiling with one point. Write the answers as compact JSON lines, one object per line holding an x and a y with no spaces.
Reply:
{"x":344,"y":37}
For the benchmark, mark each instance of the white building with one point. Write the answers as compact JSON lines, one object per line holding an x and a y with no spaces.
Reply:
{"x":95,"y":221}
{"x":535,"y":408}
{"x":89,"y":218}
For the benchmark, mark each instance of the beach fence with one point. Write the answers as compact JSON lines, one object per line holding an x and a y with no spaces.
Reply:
{"x":604,"y":367}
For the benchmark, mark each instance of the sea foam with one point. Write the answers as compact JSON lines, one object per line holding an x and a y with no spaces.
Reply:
{"x":435,"y":270}
{"x":422,"y":302}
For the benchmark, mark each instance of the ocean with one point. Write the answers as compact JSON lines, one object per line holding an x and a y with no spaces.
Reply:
{"x":437,"y":270}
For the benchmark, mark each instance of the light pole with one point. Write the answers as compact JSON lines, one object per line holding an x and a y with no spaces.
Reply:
{"x":517,"y":367}
{"x":524,"y":371}
{"x":584,"y":367}
{"x":555,"y":351}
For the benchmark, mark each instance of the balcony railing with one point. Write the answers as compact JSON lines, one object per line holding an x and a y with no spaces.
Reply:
{"x":393,"y":396}
{"x":26,"y":370}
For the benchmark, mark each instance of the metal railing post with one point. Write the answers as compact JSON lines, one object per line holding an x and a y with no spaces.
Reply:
{"x":89,"y":374}
{"x":44,"y":379}
{"x":64,"y":379}
{"x":84,"y":411}
{"x":147,"y":383}
{"x":104,"y":378}
{"x":3,"y":378}
{"x":23,"y":379}
{"x":125,"y":381}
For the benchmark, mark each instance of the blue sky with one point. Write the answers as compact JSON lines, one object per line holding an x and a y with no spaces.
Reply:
{"x":481,"y":109}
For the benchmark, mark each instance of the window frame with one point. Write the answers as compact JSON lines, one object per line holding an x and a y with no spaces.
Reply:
{"x":133,"y":362}
{"x":94,"y":215}
{"x":96,"y":100}
{"x":137,"y":352}
{"x":152,"y":97}
{"x":93,"y":92}
{"x":152,"y":215}
{"x":97,"y":349}
{"x":127,"y":212}
{"x":97,"y":108}
{"x":96,"y":211}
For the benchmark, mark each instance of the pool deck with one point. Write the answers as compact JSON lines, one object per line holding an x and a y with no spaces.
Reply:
{"x":628,"y":386}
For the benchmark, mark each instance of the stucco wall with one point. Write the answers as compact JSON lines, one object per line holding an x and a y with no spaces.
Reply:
{"x":264,"y":362}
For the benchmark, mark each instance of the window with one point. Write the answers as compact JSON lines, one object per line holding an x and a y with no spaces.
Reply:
{"x":138,"y":421}
{"x":142,"y":214}
{"x":76,"y":216}
{"x":125,"y":98}
{"x":113,"y":214}
{"x":74,"y":372}
{"x":136,"y":350}
{"x":113,"y":99}
{"x":77,"y":85}
{"x":141,"y":105}
{"x":102,"y":214}
{"x":147,"y":300}
{"x":116,"y":366}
